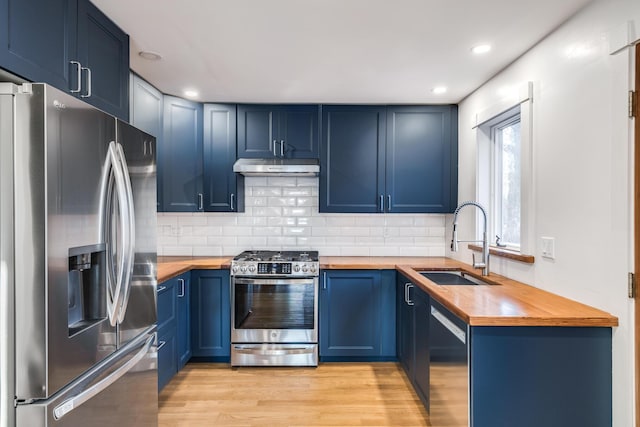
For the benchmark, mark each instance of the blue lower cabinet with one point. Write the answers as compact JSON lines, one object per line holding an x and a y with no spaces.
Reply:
{"x":174,"y":335}
{"x":541,"y":376}
{"x":183,"y":330}
{"x":413,"y":335}
{"x":357,"y":315}
{"x":210,"y":315}
{"x":167,"y":357}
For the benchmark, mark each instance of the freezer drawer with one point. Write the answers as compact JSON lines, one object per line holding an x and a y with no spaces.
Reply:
{"x":129,"y":397}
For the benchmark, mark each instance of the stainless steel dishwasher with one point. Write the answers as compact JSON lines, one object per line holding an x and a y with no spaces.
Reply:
{"x":448,"y":368}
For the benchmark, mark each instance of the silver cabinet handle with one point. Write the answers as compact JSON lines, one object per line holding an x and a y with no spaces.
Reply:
{"x":324,"y":280}
{"x":381,"y":203}
{"x":232,"y":201}
{"x":200,"y":201}
{"x":161,"y":344}
{"x":88,"y":70}
{"x":407,"y":287}
{"x":78,"y":73}
{"x":160,"y":289}
{"x":389,"y":202}
{"x":282,"y":148}
{"x":274,"y":148}
{"x":181,"y":294}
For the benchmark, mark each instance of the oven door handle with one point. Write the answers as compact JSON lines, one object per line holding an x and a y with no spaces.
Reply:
{"x":273,"y":352}
{"x":275,"y":282}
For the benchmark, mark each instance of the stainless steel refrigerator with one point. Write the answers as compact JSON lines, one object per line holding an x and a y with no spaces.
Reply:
{"x":77,"y":264}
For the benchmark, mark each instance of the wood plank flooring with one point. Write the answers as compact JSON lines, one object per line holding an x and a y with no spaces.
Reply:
{"x":334,"y":394}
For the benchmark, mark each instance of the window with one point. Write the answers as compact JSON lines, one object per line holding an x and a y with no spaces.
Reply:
{"x":506,"y":180}
{"x":504,"y":169}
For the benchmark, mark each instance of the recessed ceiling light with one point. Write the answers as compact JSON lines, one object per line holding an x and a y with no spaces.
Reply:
{"x":151,"y":56}
{"x":191,"y":93}
{"x":481,"y":48}
{"x":439,"y":90}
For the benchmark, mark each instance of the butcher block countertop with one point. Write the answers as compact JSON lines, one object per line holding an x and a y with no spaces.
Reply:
{"x":504,"y":302}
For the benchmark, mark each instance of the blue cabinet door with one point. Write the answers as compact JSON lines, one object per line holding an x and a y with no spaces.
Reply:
{"x":223,"y":189}
{"x":256,"y":133}
{"x":103,"y":48}
{"x":298,"y":131}
{"x":183,"y":327}
{"x":211,"y":314}
{"x":357,"y":314}
{"x":420,"y":344}
{"x":181,"y":156}
{"x":278,"y":131}
{"x":146,"y":113}
{"x":38,"y":40}
{"x":167,"y":308}
{"x":421,"y":159}
{"x":352,"y":159}
{"x":405,"y":327}
{"x":413,"y":335}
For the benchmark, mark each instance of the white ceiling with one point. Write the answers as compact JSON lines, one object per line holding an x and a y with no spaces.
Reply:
{"x":330,"y":51}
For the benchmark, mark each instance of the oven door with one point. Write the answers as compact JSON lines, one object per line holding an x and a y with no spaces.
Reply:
{"x":274,"y":310}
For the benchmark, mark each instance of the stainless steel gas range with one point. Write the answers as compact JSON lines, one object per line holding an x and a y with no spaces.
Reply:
{"x":274,"y":311}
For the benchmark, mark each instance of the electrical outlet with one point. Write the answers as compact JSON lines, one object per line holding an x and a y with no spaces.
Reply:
{"x":548,"y":247}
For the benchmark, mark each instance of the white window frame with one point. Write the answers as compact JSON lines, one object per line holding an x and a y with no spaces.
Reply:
{"x":519,"y":102}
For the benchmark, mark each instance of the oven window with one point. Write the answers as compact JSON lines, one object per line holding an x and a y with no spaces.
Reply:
{"x":282,"y":306}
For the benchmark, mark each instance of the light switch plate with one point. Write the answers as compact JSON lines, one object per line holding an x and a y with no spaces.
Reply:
{"x":548,"y":247}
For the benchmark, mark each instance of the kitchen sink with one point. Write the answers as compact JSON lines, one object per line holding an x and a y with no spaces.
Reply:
{"x":452,"y":278}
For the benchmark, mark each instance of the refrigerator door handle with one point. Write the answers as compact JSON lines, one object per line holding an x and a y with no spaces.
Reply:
{"x":115,"y":177}
{"x":70,"y":404}
{"x":130,"y":250}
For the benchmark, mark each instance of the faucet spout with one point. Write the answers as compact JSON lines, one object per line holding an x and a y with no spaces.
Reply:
{"x":484,"y":264}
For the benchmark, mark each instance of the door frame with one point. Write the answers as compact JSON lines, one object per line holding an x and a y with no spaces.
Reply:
{"x":636,"y":228}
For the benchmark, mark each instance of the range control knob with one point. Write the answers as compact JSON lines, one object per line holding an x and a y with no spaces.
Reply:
{"x":305,"y":268}
{"x":296,"y":268}
{"x":235,"y":268}
{"x":313,"y":268}
{"x":243,"y":269}
{"x":252,"y":268}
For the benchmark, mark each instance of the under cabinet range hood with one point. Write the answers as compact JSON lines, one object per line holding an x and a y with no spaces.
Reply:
{"x":277,"y":167}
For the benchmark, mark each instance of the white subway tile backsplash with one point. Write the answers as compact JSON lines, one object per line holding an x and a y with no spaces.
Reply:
{"x":297,"y":211}
{"x":282,"y":213}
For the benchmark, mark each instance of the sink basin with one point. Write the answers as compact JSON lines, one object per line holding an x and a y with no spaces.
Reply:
{"x":451,"y":278}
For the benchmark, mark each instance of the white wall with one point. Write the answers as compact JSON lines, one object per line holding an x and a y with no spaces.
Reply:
{"x":581,"y":174}
{"x":282,"y":213}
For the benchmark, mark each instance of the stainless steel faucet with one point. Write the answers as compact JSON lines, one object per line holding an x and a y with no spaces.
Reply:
{"x":484,"y":265}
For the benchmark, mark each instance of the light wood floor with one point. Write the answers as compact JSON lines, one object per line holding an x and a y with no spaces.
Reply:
{"x":334,"y":394}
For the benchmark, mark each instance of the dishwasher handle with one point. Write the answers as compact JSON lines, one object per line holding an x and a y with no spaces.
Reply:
{"x":447,"y":323}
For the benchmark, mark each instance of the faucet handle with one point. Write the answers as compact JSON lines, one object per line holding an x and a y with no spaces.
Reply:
{"x":477,"y":264}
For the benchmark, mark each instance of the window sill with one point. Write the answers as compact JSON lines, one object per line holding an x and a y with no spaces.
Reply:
{"x":506,"y":253}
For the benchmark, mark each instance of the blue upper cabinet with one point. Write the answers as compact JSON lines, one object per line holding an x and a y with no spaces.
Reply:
{"x":181,"y":156}
{"x":223,"y":189}
{"x":69,"y":44}
{"x":146,"y":107}
{"x":389,"y":159}
{"x":278,"y":131}
{"x":103,"y":48}
{"x":421,"y":159}
{"x":352,"y":159}
{"x":38,"y":39}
